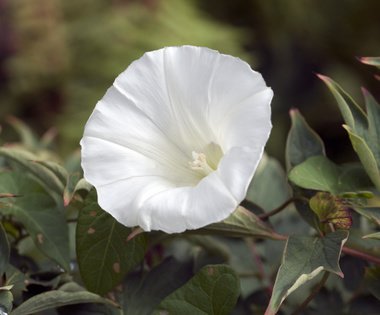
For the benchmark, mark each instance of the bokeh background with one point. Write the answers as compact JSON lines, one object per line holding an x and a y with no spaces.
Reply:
{"x":58,"y":57}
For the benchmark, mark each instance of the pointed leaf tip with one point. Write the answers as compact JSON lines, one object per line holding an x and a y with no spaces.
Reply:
{"x":322,"y":77}
{"x":372,"y":61}
{"x":365,"y":92}
{"x":293,"y":111}
{"x":134,"y":233}
{"x":302,"y":141}
{"x":303,"y":259}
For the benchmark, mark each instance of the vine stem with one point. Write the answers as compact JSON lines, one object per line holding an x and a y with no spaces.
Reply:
{"x":313,"y":294}
{"x":362,"y":255}
{"x":280,"y":208}
{"x":259,"y":263}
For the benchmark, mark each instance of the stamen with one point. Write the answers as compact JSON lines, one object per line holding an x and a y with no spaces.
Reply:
{"x":199,"y":163}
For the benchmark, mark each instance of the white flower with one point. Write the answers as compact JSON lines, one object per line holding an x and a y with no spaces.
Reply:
{"x":174,"y":143}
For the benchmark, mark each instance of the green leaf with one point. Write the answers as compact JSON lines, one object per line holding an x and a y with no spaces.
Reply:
{"x":4,"y":250}
{"x":366,"y":156}
{"x":105,"y":255}
{"x":319,"y":173}
{"x":69,"y":191}
{"x":54,"y":299}
{"x":75,"y":185}
{"x":302,"y":142}
{"x":371,"y":213}
{"x":353,"y":177}
{"x":46,"y":225}
{"x":212,"y":291}
{"x":27,"y":136}
{"x":240,"y":223}
{"x":372,"y":137}
{"x":304,"y":258}
{"x":143,"y":297}
{"x":352,"y":113}
{"x":58,"y":170}
{"x":6,"y":300}
{"x":26,"y":160}
{"x":82,"y":185}
{"x":39,"y":214}
{"x":363,"y":129}
{"x":16,"y":279}
{"x":375,"y":236}
{"x":269,"y":187}
{"x":372,"y":61}
{"x":48,"y":138}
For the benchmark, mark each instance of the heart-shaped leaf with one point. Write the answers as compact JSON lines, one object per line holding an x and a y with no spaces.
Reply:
{"x":213,"y":291}
{"x":303,"y":259}
{"x":302,"y":141}
{"x":105,"y":255}
{"x":319,"y":173}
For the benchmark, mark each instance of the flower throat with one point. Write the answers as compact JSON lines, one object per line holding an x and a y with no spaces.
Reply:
{"x":206,"y":161}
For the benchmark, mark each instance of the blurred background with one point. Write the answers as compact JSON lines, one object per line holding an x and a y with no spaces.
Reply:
{"x":57,"y":57}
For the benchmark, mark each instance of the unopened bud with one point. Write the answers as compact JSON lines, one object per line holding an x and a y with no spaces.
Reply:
{"x":331,"y":210}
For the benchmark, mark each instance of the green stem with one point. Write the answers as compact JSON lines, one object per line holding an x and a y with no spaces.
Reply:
{"x":313,"y":294}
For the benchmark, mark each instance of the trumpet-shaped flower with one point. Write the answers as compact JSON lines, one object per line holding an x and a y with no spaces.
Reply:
{"x":175,"y":141}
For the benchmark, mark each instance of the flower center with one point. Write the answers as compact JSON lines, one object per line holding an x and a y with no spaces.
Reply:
{"x":199,"y":163}
{"x":205,"y":163}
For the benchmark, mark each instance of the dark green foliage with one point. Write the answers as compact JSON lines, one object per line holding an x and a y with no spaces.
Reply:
{"x":105,"y":255}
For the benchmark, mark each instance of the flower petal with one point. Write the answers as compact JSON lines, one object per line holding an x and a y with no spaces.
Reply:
{"x":233,"y":81}
{"x":170,"y":86}
{"x":179,"y":209}
{"x":236,"y":169}
{"x":120,"y":137}
{"x":168,"y":108}
{"x":123,"y":199}
{"x":247,"y":123}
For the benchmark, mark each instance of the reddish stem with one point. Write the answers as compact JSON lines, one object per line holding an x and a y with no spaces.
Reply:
{"x":359,"y":254}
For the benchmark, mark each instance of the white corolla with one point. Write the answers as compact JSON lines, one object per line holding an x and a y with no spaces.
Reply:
{"x":175,"y":141}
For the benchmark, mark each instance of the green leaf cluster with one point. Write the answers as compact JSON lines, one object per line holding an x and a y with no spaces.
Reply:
{"x":362,"y":127}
